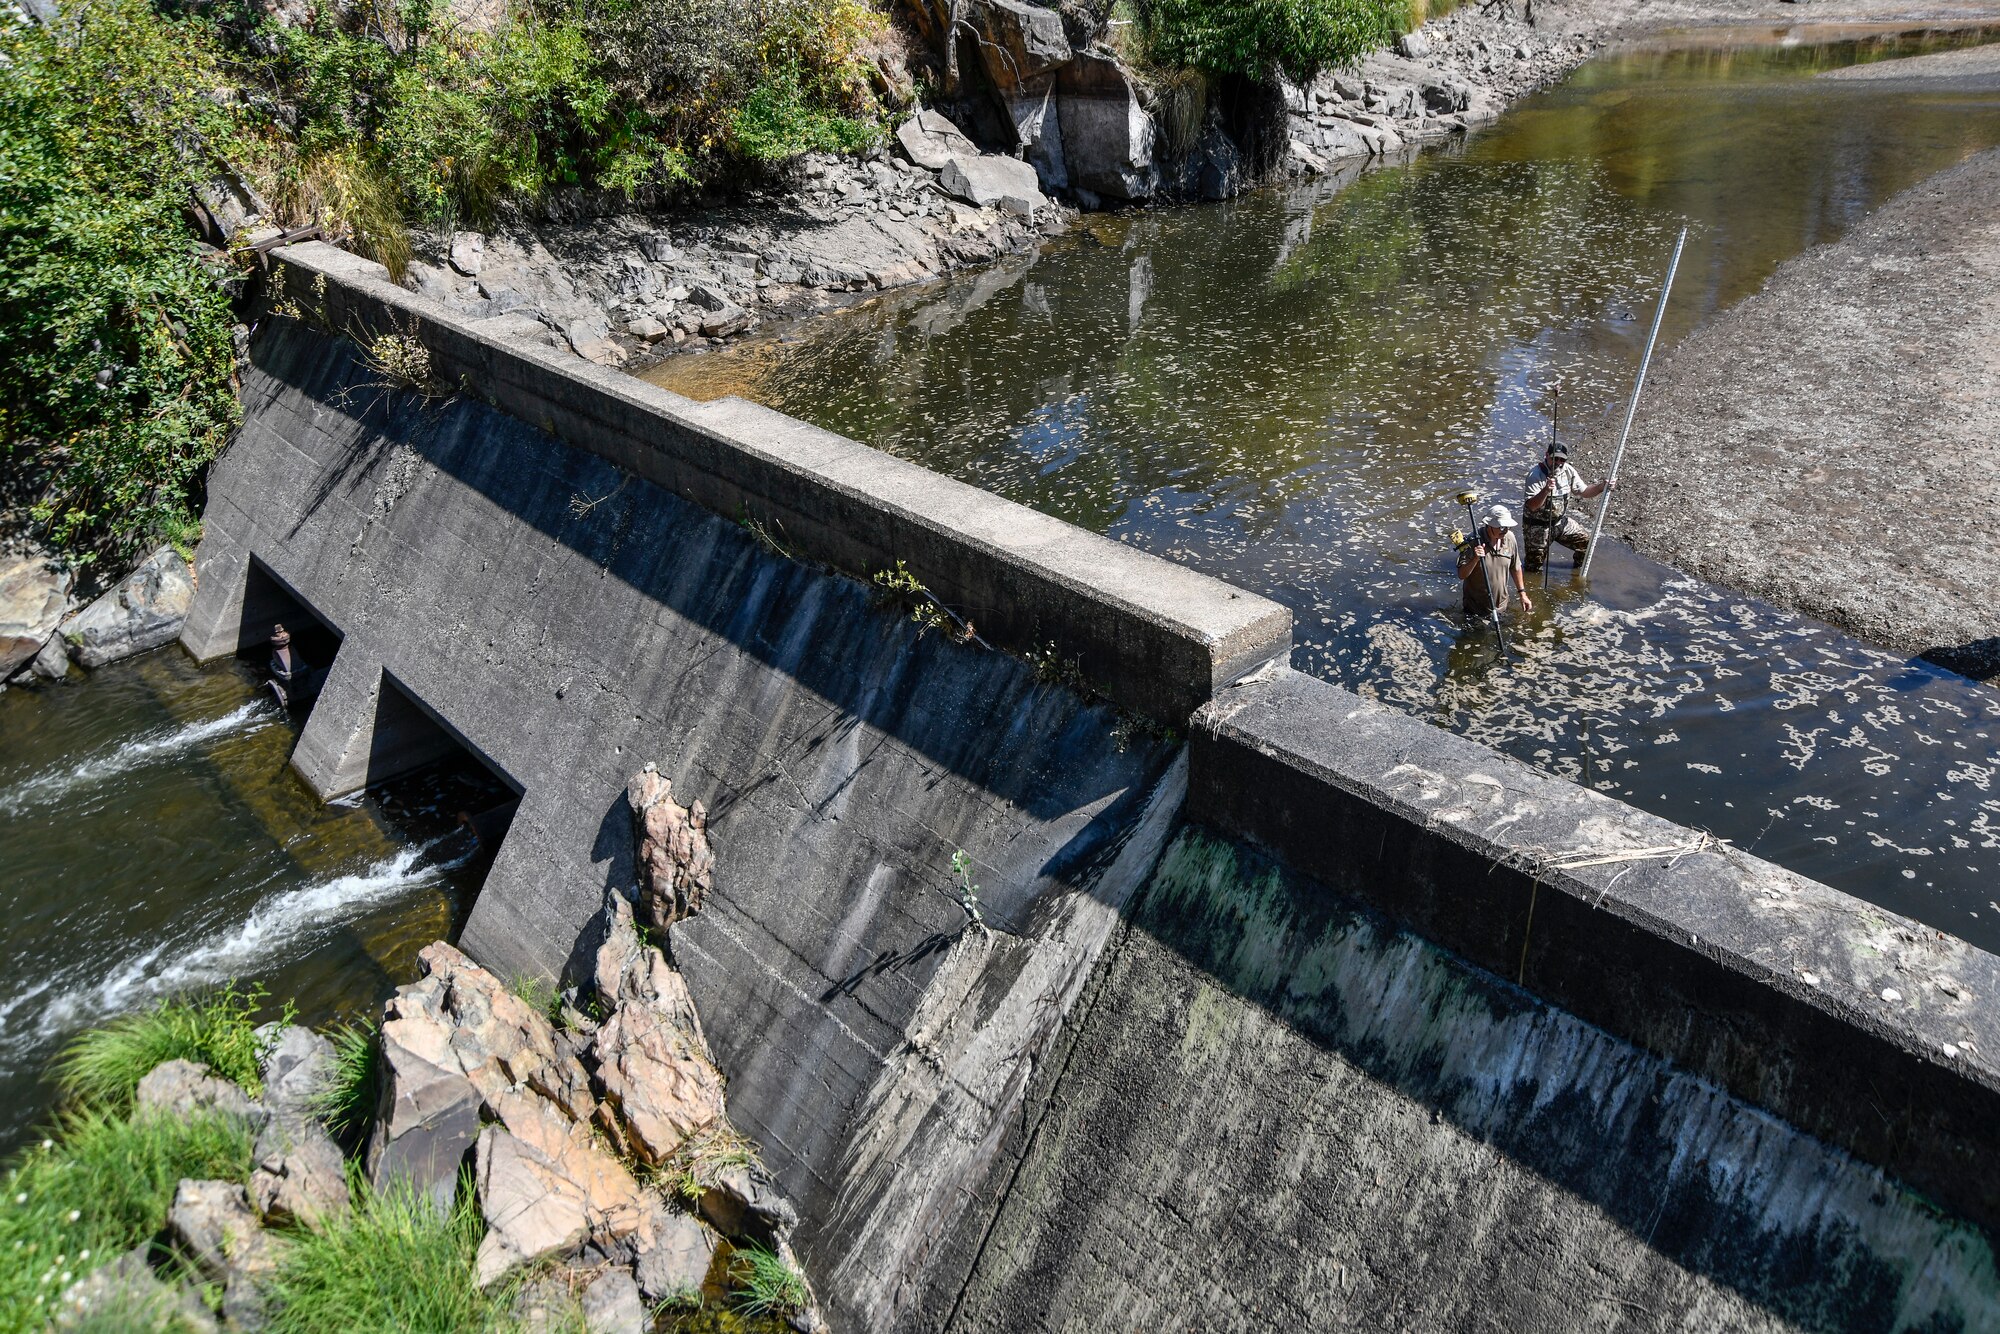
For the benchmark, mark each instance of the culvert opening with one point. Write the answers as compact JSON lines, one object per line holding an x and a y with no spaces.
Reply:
{"x":288,"y":646}
{"x":437,"y":789}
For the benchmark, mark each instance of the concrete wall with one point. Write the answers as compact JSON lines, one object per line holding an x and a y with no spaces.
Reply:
{"x":1869,"y":1029}
{"x":1281,"y":1113}
{"x":1152,"y":636}
{"x":876,"y":1049}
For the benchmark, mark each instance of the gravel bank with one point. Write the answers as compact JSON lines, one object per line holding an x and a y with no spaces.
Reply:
{"x":1974,"y":67}
{"x":1833,"y":443}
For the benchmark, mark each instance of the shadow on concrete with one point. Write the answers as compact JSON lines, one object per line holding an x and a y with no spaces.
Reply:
{"x":958,"y":707}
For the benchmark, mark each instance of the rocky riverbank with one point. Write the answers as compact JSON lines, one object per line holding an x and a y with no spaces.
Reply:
{"x":629,"y":288}
{"x":1833,"y":442}
{"x":585,"y":1131}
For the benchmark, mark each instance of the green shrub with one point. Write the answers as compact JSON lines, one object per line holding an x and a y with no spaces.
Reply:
{"x":100,"y":1185}
{"x":102,"y":1068}
{"x":390,"y":1262}
{"x":1255,"y":39}
{"x":777,"y":122}
{"x":120,"y":365}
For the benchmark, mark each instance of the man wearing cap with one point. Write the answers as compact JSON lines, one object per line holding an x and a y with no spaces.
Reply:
{"x":1552,"y":487}
{"x":1489,"y":565}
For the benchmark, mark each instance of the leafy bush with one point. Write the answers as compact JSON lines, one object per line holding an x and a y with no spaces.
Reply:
{"x":390,"y":1262}
{"x":102,"y":1068}
{"x":777,"y":122}
{"x":1256,"y":38}
{"x":100,"y":1185}
{"x":120,"y":364}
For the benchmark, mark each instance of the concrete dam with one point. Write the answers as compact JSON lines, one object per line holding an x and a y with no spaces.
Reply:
{"x":1288,"y":1010}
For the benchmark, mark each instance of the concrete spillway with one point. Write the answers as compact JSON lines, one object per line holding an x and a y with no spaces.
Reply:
{"x":1246,"y":1097}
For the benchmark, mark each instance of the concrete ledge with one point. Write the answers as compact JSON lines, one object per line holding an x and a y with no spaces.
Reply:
{"x":1867,"y":1029}
{"x":1152,"y":636}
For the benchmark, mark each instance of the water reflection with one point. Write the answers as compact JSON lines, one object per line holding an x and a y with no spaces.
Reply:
{"x":1287,"y":389}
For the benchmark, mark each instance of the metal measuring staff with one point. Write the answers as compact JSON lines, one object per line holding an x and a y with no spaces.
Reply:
{"x":1632,"y":408}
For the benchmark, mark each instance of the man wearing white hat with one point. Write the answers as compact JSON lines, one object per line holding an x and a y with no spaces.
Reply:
{"x":1489,"y":565}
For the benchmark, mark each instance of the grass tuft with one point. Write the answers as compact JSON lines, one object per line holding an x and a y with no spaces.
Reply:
{"x":765,"y":1284}
{"x":218,"y":1029}
{"x":692,"y":1167}
{"x":390,"y":1262}
{"x":346,"y":1102}
{"x":101,"y":1184}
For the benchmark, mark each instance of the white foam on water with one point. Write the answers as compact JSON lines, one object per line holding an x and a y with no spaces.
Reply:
{"x":277,"y":927}
{"x":51,"y":786}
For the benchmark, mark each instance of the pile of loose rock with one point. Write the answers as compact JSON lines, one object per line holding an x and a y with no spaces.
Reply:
{"x":612,"y":289}
{"x":42,"y":629}
{"x":1441,"y":80}
{"x":598,"y":1144}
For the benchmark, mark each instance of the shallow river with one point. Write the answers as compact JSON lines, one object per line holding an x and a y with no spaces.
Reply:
{"x":1287,"y":390}
{"x":155,"y":840}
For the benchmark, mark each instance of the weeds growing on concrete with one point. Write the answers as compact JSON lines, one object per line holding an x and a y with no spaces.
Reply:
{"x":702,"y":1157}
{"x":760,"y":532}
{"x":926,"y":610}
{"x":99,"y":1185}
{"x":766,"y":1284}
{"x":967,"y":892}
{"x":390,"y":1262}
{"x":103,"y":1067}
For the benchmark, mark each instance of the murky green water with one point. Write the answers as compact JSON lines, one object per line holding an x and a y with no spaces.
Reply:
{"x":1286,"y":390}
{"x":154,"y":839}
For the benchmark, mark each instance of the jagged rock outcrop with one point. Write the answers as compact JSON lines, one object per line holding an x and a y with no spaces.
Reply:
{"x":658,"y":1081}
{"x":300,"y":1175}
{"x":545,"y":1187}
{"x":675,"y":863}
{"x":452,"y":1044}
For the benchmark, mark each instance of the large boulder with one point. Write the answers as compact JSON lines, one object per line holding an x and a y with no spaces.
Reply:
{"x":297,"y":1065}
{"x":211,"y":1225}
{"x":931,"y":140}
{"x":670,"y":842}
{"x":675,"y":1256}
{"x":546,"y":1187}
{"x":744,"y":1203}
{"x":33,"y":597}
{"x":300,"y":1175}
{"x":452,"y":1045}
{"x":990,"y":181}
{"x":1018,"y":42}
{"x":1108,"y":139}
{"x":144,"y":612}
{"x":612,"y":1305}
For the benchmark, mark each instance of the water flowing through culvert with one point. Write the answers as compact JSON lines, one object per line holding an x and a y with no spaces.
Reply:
{"x":156,"y":842}
{"x":1286,"y":391}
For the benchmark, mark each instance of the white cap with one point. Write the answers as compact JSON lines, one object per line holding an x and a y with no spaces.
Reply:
{"x":1498,"y":517}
